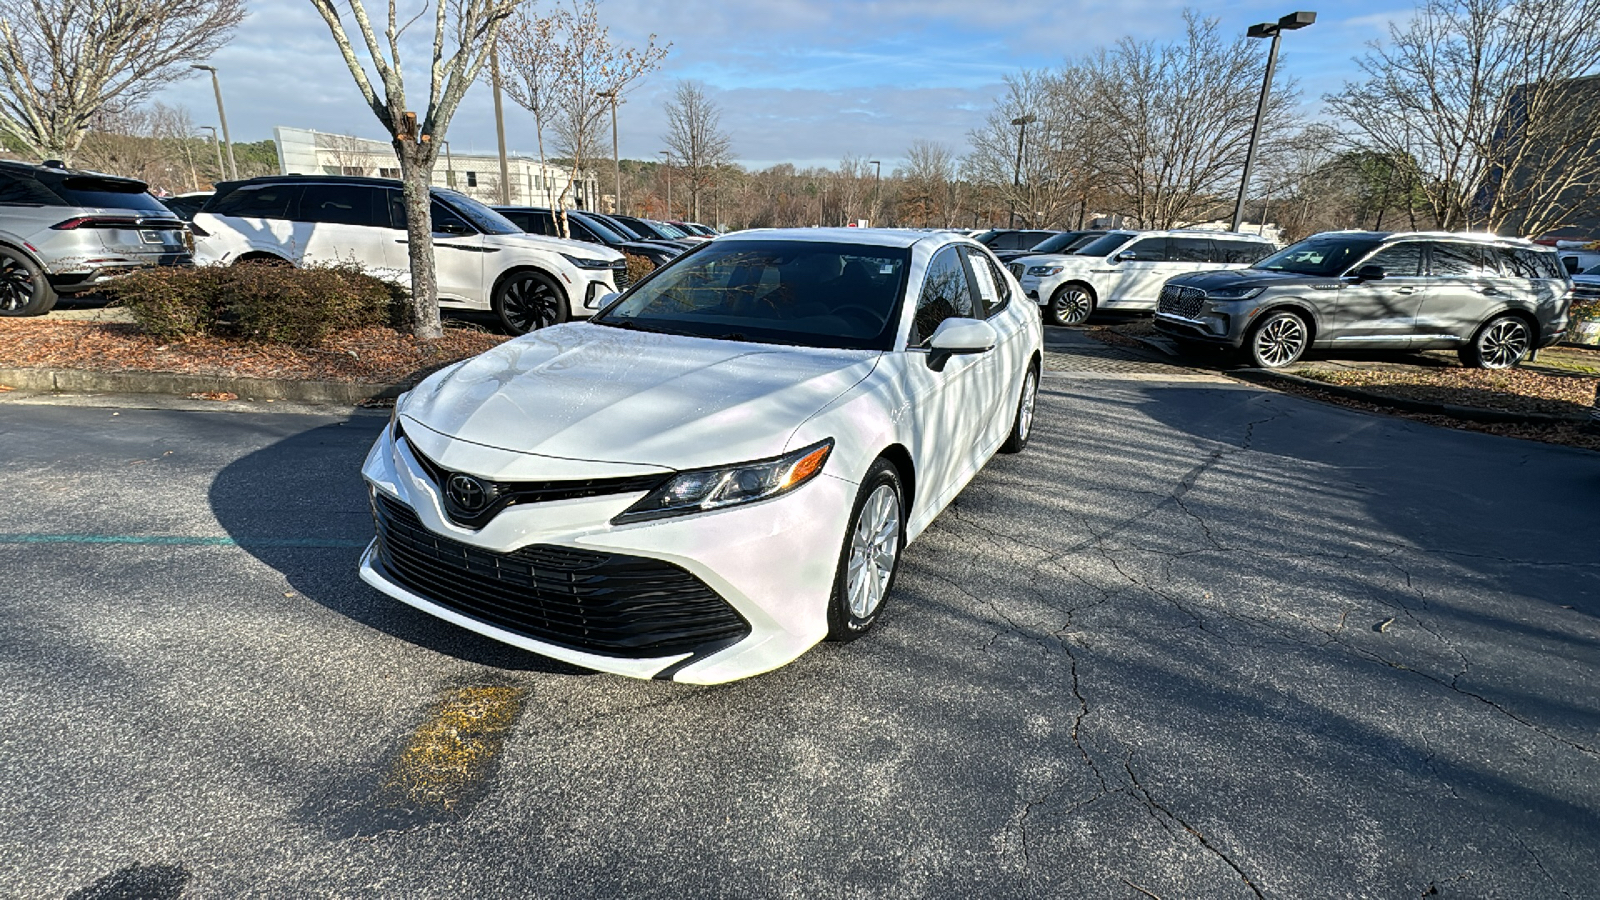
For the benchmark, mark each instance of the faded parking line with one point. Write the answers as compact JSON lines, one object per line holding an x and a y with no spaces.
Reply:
{"x":160,"y":540}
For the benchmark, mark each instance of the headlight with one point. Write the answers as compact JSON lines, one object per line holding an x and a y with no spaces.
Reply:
{"x":583,"y":262}
{"x":1044,"y":270}
{"x":704,"y":489}
{"x":1238,"y":293}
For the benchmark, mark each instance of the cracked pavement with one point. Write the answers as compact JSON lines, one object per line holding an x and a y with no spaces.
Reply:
{"x":1199,"y":640}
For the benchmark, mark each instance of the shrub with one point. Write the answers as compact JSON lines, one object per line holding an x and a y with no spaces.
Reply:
{"x":638,"y":267}
{"x":275,"y":304}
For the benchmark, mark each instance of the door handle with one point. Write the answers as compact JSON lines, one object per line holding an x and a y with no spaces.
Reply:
{"x":1406,"y":290}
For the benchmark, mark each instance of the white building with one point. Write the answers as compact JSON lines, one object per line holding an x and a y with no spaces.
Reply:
{"x":302,"y":151}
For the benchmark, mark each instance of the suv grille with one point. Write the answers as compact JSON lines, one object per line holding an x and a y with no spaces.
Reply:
{"x":1181,"y":301}
{"x":603,"y":603}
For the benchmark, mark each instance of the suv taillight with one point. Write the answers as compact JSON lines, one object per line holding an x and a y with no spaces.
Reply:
{"x":96,"y":222}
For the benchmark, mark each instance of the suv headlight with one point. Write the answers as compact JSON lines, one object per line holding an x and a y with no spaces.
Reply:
{"x":1044,"y":270}
{"x":1236,"y":293}
{"x":704,"y":489}
{"x":584,"y":262}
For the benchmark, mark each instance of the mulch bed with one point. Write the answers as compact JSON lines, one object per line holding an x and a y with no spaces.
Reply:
{"x":363,"y":355}
{"x":1507,"y":390}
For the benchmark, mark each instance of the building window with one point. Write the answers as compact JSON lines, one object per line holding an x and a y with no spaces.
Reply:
{"x":472,"y":179}
{"x":388,"y":173}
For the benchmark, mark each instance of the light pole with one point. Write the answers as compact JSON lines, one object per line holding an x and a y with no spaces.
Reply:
{"x":668,"y":163}
{"x":1274,"y":30}
{"x":449,"y":166}
{"x":217,"y":144}
{"x":216,"y":87}
{"x":1016,"y":174}
{"x":499,"y":125}
{"x":877,"y":181}
{"x":616,"y":156}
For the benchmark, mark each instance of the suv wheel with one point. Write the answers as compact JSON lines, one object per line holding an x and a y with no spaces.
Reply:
{"x":24,"y":291}
{"x":1278,"y":340}
{"x":1072,"y":304}
{"x":526,"y":301}
{"x":1500,"y":344}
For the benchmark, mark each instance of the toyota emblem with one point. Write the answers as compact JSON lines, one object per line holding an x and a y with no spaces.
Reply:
{"x":468,"y":494}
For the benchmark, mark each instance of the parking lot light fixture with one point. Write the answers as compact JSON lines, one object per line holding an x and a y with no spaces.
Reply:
{"x":1292,"y":22}
{"x":216,"y":87}
{"x":667,"y":163}
{"x":877,"y":180}
{"x":616,"y":153}
{"x":217,"y":145}
{"x":1016,"y":175}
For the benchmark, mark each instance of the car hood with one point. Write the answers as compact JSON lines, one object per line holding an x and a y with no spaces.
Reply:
{"x":1247,"y":278}
{"x":522,"y":240}
{"x":1055,"y":259}
{"x":592,"y":392}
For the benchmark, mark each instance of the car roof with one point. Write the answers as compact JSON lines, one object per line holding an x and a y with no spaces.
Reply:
{"x":54,"y":173}
{"x":1395,"y":236}
{"x":874,"y":237}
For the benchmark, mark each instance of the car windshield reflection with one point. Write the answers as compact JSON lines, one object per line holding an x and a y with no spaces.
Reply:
{"x":804,"y":293}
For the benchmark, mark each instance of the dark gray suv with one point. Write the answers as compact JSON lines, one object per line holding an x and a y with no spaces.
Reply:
{"x":1491,"y":299}
{"x":63,"y":231}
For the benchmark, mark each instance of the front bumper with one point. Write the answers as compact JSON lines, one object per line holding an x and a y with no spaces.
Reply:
{"x":773,"y":563}
{"x":1216,"y":329}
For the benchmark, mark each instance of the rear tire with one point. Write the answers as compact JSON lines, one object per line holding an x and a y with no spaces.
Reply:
{"x":24,"y":289}
{"x":527,"y":301}
{"x":871,"y":554}
{"x":1502,"y":343}
{"x":1022,"y":422}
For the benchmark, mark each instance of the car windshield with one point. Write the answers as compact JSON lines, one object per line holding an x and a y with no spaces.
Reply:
{"x":623,"y":228}
{"x":482,"y":217}
{"x":1065,"y":242}
{"x":1105,"y":245}
{"x":669,"y":230}
{"x":1320,"y":256}
{"x":805,"y":293}
{"x":602,"y":230}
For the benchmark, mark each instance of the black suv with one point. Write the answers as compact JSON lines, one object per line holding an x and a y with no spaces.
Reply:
{"x":1491,"y":299}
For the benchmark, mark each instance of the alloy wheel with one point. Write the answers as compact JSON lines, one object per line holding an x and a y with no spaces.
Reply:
{"x":874,"y":547}
{"x":16,"y":284}
{"x":529,"y":303}
{"x":1030,"y":392}
{"x":1280,"y":341}
{"x":1503,"y":344}
{"x":1072,"y":306}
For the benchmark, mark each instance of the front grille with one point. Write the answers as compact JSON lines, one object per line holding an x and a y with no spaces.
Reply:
{"x":1016,"y":269}
{"x":603,"y":603}
{"x":1181,"y":301}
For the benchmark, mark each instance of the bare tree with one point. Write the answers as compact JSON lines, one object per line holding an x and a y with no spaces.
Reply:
{"x":589,"y":65}
{"x":928,"y":191}
{"x":695,"y":140}
{"x":467,"y":29}
{"x":1485,"y":96}
{"x":530,"y":51}
{"x":1042,"y":181}
{"x":151,"y":143}
{"x":64,"y":61}
{"x":350,"y":155}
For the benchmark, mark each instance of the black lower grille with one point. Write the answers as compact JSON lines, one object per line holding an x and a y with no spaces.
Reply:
{"x":603,"y":603}
{"x":1181,"y":301}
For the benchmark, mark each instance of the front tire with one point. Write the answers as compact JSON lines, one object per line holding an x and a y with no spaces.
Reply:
{"x":1072,"y":304}
{"x":1278,"y":340}
{"x":24,"y":289}
{"x":871,"y":554}
{"x":1501,"y":343}
{"x":526,"y":301}
{"x":1022,"y":424}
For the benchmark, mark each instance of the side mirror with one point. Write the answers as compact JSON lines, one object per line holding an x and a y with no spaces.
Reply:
{"x":454,"y":229}
{"x":959,"y":336}
{"x":603,"y":300}
{"x":1371,"y":273}
{"x":1124,"y":256}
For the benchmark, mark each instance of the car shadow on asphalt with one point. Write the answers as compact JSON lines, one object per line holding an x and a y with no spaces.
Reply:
{"x":300,"y":506}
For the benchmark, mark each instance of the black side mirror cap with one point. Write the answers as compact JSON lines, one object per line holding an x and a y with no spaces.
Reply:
{"x":1371,"y":273}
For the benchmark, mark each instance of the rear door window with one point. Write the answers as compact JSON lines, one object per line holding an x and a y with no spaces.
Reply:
{"x":1147,"y":250}
{"x":1189,"y":250}
{"x":1515,"y":262}
{"x":344,"y":204}
{"x":272,"y":201}
{"x":1241,"y":252}
{"x":1461,"y":260}
{"x":993,"y":292}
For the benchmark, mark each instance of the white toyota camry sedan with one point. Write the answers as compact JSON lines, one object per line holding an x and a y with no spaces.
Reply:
{"x":721,"y":468}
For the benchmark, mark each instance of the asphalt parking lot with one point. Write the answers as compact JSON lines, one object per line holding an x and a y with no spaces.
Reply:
{"x":1200,"y":640}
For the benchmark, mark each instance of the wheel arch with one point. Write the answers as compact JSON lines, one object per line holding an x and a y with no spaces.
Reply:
{"x":552,"y":277}
{"x":19,"y":247}
{"x":1528,"y":318}
{"x":1299,"y":307}
{"x":263,"y":256}
{"x":899,"y":457}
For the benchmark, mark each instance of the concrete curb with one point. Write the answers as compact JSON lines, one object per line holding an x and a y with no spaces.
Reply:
{"x":80,"y":381}
{"x":1469,"y":413}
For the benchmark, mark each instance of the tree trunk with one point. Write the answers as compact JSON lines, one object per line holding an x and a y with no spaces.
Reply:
{"x":416,"y":174}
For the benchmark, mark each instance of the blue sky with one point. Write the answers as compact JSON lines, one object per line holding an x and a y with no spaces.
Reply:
{"x":801,"y":81}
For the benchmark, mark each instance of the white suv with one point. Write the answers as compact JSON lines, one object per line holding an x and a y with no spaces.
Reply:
{"x":482,"y":260}
{"x":1126,"y":269}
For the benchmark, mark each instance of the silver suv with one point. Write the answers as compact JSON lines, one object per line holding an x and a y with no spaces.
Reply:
{"x":1491,"y":299}
{"x":63,"y":231}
